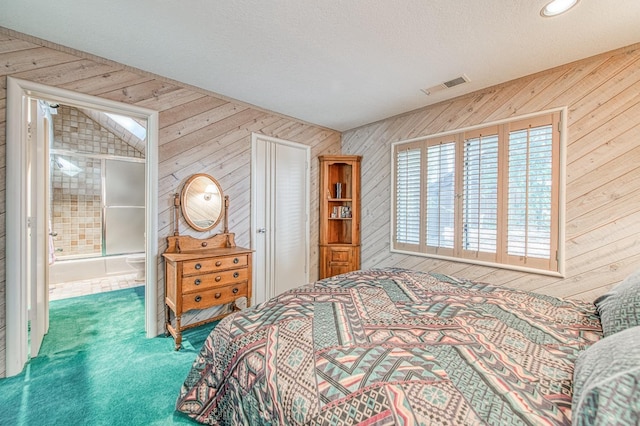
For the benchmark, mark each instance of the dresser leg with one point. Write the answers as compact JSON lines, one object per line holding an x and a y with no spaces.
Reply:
{"x":167,"y":320}
{"x":178,"y":333}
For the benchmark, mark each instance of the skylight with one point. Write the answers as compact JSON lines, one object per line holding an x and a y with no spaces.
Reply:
{"x":130,"y":124}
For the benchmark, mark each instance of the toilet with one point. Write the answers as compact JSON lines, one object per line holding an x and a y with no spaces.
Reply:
{"x":137,"y":262}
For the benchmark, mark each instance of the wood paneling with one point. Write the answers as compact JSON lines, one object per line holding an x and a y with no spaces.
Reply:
{"x":200,"y":132}
{"x":603,"y":170}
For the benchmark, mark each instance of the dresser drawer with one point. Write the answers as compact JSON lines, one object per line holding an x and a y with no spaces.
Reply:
{"x":214,"y":264}
{"x":202,"y":282}
{"x":212,"y":297}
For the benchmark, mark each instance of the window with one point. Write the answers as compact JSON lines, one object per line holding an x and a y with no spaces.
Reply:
{"x":486,"y":195}
{"x":130,"y":124}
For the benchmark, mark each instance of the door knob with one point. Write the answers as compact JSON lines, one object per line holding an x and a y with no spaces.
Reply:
{"x":262,"y":231}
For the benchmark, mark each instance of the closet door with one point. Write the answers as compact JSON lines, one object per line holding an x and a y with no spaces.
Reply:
{"x":280,"y":216}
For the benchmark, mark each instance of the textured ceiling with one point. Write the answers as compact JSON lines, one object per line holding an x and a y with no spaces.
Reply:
{"x":335,"y":63}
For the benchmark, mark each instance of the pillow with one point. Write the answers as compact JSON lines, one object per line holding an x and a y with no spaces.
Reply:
{"x":606,"y":381}
{"x":619,"y":308}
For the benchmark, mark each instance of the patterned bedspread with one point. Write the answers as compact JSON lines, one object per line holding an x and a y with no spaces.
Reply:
{"x":392,"y":346}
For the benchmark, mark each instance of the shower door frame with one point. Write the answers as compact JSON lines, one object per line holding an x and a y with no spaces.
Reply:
{"x":17,"y":255}
{"x":103,"y":159}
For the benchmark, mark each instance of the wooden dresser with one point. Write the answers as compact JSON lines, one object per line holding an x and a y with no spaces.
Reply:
{"x":200,"y":274}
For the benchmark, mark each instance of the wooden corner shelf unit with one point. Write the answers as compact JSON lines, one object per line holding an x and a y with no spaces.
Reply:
{"x":339,"y":214}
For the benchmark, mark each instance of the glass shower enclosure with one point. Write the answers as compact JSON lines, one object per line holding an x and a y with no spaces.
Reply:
{"x":97,"y":204}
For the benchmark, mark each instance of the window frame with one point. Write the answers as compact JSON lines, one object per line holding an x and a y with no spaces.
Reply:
{"x":555,"y":265}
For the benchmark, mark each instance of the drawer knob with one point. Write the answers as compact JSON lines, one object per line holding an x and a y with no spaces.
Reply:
{"x":235,"y":290}
{"x":198,"y":266}
{"x":217,"y":295}
{"x":236,"y":260}
{"x":236,"y":274}
{"x":218,"y":278}
{"x":218,"y":263}
{"x":198,"y":298}
{"x":197,"y":281}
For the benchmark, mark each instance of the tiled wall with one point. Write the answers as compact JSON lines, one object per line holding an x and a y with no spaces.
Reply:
{"x":76,"y":200}
{"x":75,"y":131}
{"x":76,"y":208}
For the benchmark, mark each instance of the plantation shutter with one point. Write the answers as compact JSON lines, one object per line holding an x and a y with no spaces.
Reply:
{"x":440,"y":197}
{"x":531,"y":197}
{"x":487,"y":195}
{"x":408,"y":187}
{"x":480,"y":195}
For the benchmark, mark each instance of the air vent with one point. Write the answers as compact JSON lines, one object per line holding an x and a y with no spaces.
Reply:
{"x":446,"y":85}
{"x":455,"y":82}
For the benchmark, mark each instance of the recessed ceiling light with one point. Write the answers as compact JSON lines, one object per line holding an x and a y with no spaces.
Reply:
{"x":556,"y":7}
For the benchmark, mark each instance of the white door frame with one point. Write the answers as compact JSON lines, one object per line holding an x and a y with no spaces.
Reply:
{"x":254,"y":204}
{"x":18,"y":91}
{"x":38,"y":247}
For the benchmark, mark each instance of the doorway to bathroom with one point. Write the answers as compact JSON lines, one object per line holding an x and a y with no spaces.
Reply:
{"x":96,"y":200}
{"x":28,"y":196}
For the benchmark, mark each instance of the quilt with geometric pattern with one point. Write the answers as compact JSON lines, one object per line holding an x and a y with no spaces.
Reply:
{"x":392,"y":347}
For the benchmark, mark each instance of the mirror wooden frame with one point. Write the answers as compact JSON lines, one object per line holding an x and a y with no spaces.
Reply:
{"x":189,"y":193}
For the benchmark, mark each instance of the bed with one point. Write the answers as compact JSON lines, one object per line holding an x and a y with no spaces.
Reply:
{"x":393,"y":346}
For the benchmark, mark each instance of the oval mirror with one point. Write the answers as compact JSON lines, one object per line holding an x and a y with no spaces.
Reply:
{"x":202,"y":202}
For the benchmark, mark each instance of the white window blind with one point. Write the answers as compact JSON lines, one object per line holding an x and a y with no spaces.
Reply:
{"x":408,"y":190}
{"x":487,"y":194}
{"x":441,"y":195}
{"x":530,"y":192}
{"x":480,"y":194}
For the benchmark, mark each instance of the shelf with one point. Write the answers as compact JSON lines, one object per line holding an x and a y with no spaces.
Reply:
{"x":340,"y":195}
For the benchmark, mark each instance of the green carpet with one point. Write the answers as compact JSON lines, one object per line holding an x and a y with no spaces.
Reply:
{"x":97,"y":367}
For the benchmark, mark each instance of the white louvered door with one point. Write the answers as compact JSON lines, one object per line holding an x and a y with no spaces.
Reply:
{"x":280,"y":214}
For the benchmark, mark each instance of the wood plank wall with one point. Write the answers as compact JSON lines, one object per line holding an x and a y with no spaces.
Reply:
{"x":200,"y":132}
{"x":603,"y":170}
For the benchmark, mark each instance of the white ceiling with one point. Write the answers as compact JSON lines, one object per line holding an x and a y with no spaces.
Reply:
{"x":335,"y":63}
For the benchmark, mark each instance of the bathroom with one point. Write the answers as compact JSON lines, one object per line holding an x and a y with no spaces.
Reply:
{"x":97,"y":201}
